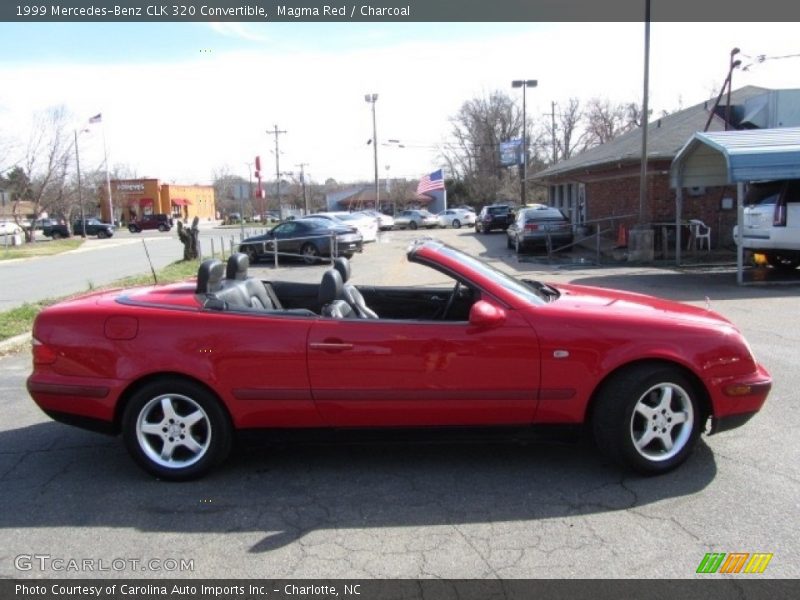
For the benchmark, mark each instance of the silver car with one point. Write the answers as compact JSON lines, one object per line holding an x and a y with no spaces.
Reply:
{"x":414,"y":219}
{"x":541,"y":225}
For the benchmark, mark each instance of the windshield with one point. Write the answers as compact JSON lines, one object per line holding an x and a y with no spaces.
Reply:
{"x":532,"y":292}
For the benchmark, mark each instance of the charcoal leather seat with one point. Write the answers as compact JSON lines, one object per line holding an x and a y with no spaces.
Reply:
{"x":252,"y":291}
{"x":350,"y":293}
{"x":331,"y":297}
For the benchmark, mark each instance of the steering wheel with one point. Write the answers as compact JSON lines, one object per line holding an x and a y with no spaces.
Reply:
{"x":451,"y":300}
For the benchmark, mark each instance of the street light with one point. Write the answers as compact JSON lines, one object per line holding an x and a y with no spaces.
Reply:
{"x":524,"y":83}
{"x":372,"y":99}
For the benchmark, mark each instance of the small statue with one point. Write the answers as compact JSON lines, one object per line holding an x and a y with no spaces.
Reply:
{"x":189,"y":239}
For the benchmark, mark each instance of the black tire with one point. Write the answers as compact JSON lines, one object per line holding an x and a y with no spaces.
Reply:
{"x":412,"y":225}
{"x":102,"y":234}
{"x":132,"y":229}
{"x":163,"y":228}
{"x":310,"y":253}
{"x":456,"y":224}
{"x":782,"y":262}
{"x":636,"y":418}
{"x":252,"y":255}
{"x":55,"y":235}
{"x":176,"y":429}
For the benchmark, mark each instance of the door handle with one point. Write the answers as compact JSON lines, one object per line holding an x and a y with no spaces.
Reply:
{"x":331,"y":346}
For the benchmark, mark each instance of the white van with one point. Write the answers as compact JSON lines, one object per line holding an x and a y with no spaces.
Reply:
{"x":772,"y":222}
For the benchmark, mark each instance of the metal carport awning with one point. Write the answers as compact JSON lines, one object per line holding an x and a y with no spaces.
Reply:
{"x":717,"y":158}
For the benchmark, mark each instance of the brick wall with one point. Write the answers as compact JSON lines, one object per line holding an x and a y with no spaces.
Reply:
{"x":615,"y":191}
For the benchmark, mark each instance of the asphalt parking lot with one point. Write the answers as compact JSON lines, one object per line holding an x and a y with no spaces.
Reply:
{"x":455,"y":510}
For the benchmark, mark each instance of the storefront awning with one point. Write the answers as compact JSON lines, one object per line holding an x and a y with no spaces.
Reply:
{"x":181,"y":202}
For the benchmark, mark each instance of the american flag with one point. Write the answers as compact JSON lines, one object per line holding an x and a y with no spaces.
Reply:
{"x":434,"y":181}
{"x":96,"y":119}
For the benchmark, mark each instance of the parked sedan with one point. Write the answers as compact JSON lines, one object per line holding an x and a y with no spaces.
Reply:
{"x":539,"y":226}
{"x":179,"y":369}
{"x":308,"y":238}
{"x":415,"y":219}
{"x":456,"y":217}
{"x":385,"y":222}
{"x":93,"y":226}
{"x":367,"y":225}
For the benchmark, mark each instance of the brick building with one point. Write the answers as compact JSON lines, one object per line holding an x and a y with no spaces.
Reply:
{"x":136,"y":197}
{"x":604,"y":181}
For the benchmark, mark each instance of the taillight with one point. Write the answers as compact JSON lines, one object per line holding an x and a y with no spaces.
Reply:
{"x":779,"y":216}
{"x":531,"y":226}
{"x":43,"y":354}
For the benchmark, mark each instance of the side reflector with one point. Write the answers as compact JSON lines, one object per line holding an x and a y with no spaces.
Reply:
{"x":43,"y":354}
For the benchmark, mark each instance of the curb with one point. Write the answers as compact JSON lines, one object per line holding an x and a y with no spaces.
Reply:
{"x":15,"y":343}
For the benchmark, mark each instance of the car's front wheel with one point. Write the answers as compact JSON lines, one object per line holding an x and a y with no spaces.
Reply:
{"x":102,"y":234}
{"x":310,"y":253}
{"x":648,"y":418}
{"x":456,"y":224}
{"x":55,"y":235}
{"x":163,"y":228}
{"x":176,"y":429}
{"x":132,"y":229}
{"x":412,"y":225}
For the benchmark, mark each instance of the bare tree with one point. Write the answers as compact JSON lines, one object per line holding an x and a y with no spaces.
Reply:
{"x":605,"y":121}
{"x":569,"y":135}
{"x":40,"y":177}
{"x":472,"y":155}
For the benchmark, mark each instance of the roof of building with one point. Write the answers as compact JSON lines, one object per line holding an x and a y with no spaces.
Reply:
{"x":665,"y":138}
{"x":721,"y":157}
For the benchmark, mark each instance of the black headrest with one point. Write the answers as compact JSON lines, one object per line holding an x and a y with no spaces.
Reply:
{"x":237,"y":266}
{"x":331,"y":287}
{"x":209,"y":276}
{"x":342,"y":265}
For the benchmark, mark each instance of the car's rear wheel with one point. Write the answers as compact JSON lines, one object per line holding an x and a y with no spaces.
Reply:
{"x":55,"y":235}
{"x":456,"y":224}
{"x":310,"y":253}
{"x":412,"y":225}
{"x":102,"y":234}
{"x":132,"y":229}
{"x":176,"y":429}
{"x":782,"y":262}
{"x":163,"y":228}
{"x":648,"y":418}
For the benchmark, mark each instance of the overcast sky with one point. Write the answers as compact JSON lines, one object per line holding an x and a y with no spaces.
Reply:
{"x":181,"y":100}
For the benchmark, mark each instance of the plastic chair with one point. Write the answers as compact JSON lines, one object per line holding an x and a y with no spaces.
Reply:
{"x":700,"y":232}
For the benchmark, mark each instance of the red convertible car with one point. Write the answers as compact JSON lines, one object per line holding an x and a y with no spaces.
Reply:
{"x":179,"y":369}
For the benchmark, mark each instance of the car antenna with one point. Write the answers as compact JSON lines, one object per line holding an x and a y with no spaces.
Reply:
{"x":152,"y":270}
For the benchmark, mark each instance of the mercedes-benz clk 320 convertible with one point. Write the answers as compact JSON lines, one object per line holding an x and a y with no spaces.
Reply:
{"x":180,"y":369}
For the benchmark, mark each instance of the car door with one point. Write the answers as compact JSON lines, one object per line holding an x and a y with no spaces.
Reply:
{"x":375,"y":372}
{"x":286,"y":235}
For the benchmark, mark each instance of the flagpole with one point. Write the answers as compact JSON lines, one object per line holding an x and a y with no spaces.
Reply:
{"x":444,"y":190}
{"x":108,"y":178}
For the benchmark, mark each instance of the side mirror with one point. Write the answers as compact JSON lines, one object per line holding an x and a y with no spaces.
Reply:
{"x":485,"y":315}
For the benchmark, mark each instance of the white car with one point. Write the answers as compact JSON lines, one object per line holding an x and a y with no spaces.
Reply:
{"x":385,"y":222}
{"x":456,"y":217}
{"x":9,"y":228}
{"x":771,"y":223}
{"x":367,"y":225}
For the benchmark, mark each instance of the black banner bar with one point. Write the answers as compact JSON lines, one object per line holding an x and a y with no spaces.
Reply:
{"x":398,"y":11}
{"x":751,"y":587}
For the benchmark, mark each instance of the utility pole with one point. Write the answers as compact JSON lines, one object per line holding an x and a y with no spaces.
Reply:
{"x":553,"y":122}
{"x":303,"y":183}
{"x":277,"y":132}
